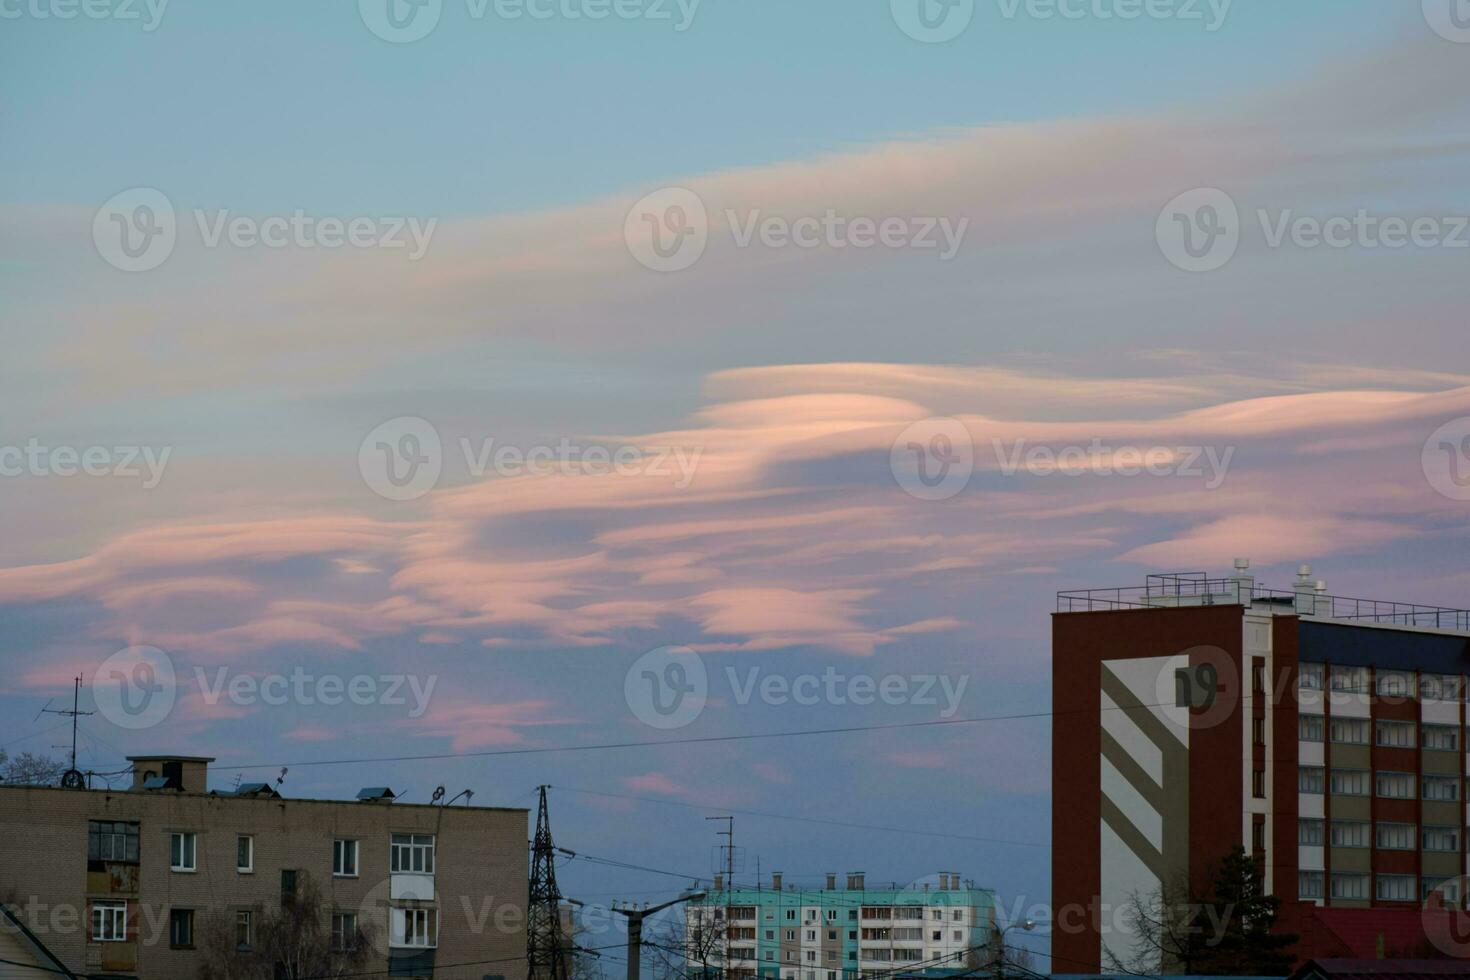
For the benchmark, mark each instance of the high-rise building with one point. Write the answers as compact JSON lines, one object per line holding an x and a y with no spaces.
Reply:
{"x":788,"y":933}
{"x":1323,"y":734}
{"x":149,"y":881}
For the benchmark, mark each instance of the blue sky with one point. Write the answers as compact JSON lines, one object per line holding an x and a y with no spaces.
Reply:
{"x":269,"y":375}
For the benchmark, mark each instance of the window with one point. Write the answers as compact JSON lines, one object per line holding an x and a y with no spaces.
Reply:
{"x":344,"y":858}
{"x":831,"y":935}
{"x":414,"y":853}
{"x":1309,"y":831}
{"x":1350,"y":679}
{"x":1395,"y":836}
{"x":770,"y":935}
{"x":1309,"y":884}
{"x":244,"y":928}
{"x":1258,"y":783}
{"x":957,"y":934}
{"x":245,"y":854}
{"x":109,"y":840}
{"x":1349,"y":885}
{"x":181,"y":851}
{"x":1439,"y":687}
{"x":1395,"y":734}
{"x":1395,"y":683}
{"x":109,"y":922}
{"x":937,"y":936}
{"x":811,"y":935}
{"x":1349,"y":833}
{"x":1349,"y":731}
{"x":1258,"y":833}
{"x":288,"y":883}
{"x":1309,"y":728}
{"x":1309,"y":676}
{"x":418,"y":927}
{"x":937,"y":914}
{"x":1442,"y":788}
{"x":1395,"y":888}
{"x":791,"y":915}
{"x":1396,"y":785}
{"x":1258,"y":730}
{"x":832,"y":917}
{"x":1309,"y":779}
{"x":181,"y":928}
{"x":344,"y":930}
{"x":1350,"y":782}
{"x":958,"y":915}
{"x":1448,"y":890}
{"x":1446,"y":737}
{"x":1441,"y":838}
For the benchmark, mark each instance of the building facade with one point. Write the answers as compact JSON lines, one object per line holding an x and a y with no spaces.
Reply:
{"x":1324,"y":735}
{"x":831,"y":933}
{"x":136,"y":882}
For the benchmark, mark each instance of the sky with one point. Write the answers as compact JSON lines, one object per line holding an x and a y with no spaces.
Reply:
{"x":779,"y":349}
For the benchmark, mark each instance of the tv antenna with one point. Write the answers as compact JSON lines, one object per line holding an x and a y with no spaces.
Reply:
{"x":72,"y":778}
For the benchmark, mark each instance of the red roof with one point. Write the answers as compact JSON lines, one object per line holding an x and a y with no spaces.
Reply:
{"x":1373,"y":934}
{"x":1360,"y":969}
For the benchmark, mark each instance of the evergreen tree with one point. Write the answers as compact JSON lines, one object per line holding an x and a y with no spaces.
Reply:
{"x":1243,"y":917}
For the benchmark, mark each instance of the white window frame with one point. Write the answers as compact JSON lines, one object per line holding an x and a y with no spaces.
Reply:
{"x":417,"y":848}
{"x":1394,"y":836}
{"x":1340,"y":881}
{"x":1357,"y":727}
{"x":423,"y":922}
{"x":184,"y":843}
{"x":244,"y":917}
{"x":1349,"y":833}
{"x":340,"y":935}
{"x":249,"y":866}
{"x":1310,"y":676}
{"x":1359,"y":776}
{"x":342,"y":848}
{"x":1306,"y":773}
{"x":1446,"y":839}
{"x":109,"y":922}
{"x":1394,"y":683}
{"x":1311,"y":831}
{"x":1433,"y":733}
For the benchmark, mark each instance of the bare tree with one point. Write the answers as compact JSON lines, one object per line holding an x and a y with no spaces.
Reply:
{"x":688,"y":952}
{"x":30,"y":770}
{"x":1168,"y":931}
{"x":286,"y":943}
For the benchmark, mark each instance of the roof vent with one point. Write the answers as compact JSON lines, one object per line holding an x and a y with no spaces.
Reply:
{"x":376,"y":794}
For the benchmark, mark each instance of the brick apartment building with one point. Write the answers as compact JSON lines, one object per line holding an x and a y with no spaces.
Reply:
{"x":1325,"y":735}
{"x":125,"y":882}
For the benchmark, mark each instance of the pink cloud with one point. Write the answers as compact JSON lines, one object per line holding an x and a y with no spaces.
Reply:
{"x":654,"y":782}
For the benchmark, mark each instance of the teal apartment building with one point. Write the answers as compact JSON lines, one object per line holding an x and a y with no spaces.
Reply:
{"x":938,"y":925}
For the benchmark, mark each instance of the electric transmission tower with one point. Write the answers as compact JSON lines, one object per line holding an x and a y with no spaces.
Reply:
{"x":546,"y":950}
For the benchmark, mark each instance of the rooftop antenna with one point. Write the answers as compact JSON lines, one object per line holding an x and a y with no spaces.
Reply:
{"x":282,"y":777}
{"x":438,"y":794}
{"x":72,"y":778}
{"x":468,"y":795}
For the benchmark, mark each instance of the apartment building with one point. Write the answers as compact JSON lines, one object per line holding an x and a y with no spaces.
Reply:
{"x":1323,"y":734}
{"x":134,"y":882}
{"x":831,"y":933}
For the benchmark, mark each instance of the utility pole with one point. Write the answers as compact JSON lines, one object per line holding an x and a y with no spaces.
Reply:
{"x":546,"y":953}
{"x":635,"y":928}
{"x":72,"y":778}
{"x":729,"y":834}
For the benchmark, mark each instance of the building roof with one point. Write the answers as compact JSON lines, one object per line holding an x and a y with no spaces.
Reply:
{"x":1371,"y":933}
{"x":1375,"y":969}
{"x":169,"y":757}
{"x":10,"y":923}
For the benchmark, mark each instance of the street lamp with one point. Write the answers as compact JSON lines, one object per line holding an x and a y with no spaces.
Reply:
{"x":635,"y":929}
{"x":1000,"y":944}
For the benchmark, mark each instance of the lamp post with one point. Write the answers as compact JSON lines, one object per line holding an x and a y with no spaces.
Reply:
{"x":1000,"y":945}
{"x":635,"y":929}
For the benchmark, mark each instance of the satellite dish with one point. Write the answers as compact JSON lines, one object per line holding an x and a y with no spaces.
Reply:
{"x":438,"y":794}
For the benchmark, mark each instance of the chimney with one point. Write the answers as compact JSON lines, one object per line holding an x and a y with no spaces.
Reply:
{"x":775,"y":881}
{"x":832,"y":881}
{"x":1323,"y":600}
{"x":1306,"y":601}
{"x":855,"y":881}
{"x":719,"y":882}
{"x":1244,"y":582}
